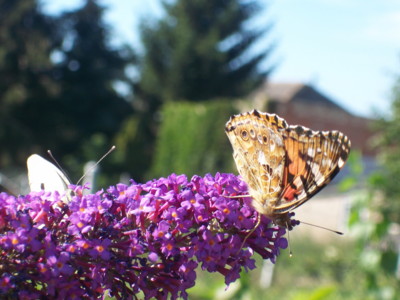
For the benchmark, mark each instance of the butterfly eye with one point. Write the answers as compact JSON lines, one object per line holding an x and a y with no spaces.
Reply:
{"x":265,"y":139}
{"x":244,"y":134}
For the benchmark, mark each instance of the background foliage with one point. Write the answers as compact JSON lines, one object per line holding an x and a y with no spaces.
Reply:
{"x":62,"y":78}
{"x":27,"y":88}
{"x":361,"y":264}
{"x":56,"y":87}
{"x":375,"y":215}
{"x":200,"y":51}
{"x":192,"y":140}
{"x":58,"y":79}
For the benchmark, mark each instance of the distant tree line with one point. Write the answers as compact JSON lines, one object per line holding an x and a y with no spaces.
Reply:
{"x":59,"y":77}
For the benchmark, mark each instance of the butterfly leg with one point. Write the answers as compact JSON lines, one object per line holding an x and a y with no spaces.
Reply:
{"x":251,"y":231}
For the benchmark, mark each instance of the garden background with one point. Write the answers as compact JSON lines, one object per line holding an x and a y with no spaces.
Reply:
{"x":67,"y":87}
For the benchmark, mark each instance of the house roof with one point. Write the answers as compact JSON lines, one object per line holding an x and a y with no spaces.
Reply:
{"x":286,"y":92}
{"x":282,"y":92}
{"x":301,"y":103}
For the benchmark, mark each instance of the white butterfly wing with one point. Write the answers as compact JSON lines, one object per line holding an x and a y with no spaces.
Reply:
{"x":43,"y":175}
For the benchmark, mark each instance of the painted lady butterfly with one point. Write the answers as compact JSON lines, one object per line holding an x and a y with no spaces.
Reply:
{"x":283,"y":166}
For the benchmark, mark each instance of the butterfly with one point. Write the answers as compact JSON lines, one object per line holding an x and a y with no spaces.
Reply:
{"x":43,"y":175}
{"x":283,"y":166}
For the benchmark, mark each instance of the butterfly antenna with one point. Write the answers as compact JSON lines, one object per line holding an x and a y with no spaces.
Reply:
{"x":331,"y":230}
{"x":58,"y":165}
{"x":251,"y":231}
{"x":96,"y":164}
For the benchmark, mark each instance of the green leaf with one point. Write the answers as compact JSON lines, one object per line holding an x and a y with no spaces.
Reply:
{"x":318,"y":294}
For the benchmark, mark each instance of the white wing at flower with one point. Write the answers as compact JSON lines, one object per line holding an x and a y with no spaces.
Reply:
{"x":43,"y":175}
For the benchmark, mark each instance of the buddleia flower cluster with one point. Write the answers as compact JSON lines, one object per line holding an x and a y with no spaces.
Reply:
{"x":130,"y":241}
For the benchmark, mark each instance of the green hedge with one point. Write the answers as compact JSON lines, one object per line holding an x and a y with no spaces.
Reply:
{"x":192,"y":139}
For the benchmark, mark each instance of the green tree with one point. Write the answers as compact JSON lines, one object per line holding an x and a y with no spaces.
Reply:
{"x":192,"y":139}
{"x":388,"y":142}
{"x":378,"y":245}
{"x":200,"y":50}
{"x":58,"y":84}
{"x":27,"y":39}
{"x":88,"y":70}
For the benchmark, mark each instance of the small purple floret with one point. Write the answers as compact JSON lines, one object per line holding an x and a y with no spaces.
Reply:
{"x":139,"y":238}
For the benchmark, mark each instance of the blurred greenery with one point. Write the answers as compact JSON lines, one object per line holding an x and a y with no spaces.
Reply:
{"x":315,"y":271}
{"x":388,"y":142}
{"x":191,"y":139}
{"x":56,"y":88}
{"x":27,"y":39}
{"x":360,"y":265}
{"x":58,"y":91}
{"x":64,"y":86}
{"x":198,"y":52}
{"x":375,"y":215}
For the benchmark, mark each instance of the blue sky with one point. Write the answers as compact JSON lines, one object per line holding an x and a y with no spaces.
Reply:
{"x":347,"y":49}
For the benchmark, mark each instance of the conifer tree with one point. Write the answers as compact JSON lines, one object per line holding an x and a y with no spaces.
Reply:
{"x":26,"y":86}
{"x":200,"y":51}
{"x":57,"y":88}
{"x":88,"y":70}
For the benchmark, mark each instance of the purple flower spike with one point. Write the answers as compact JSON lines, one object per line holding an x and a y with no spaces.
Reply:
{"x":143,"y":238}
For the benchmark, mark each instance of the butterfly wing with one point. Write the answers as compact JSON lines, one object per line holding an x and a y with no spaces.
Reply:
{"x":43,"y":175}
{"x":313,"y":158}
{"x":283,"y":165}
{"x":259,"y":154}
